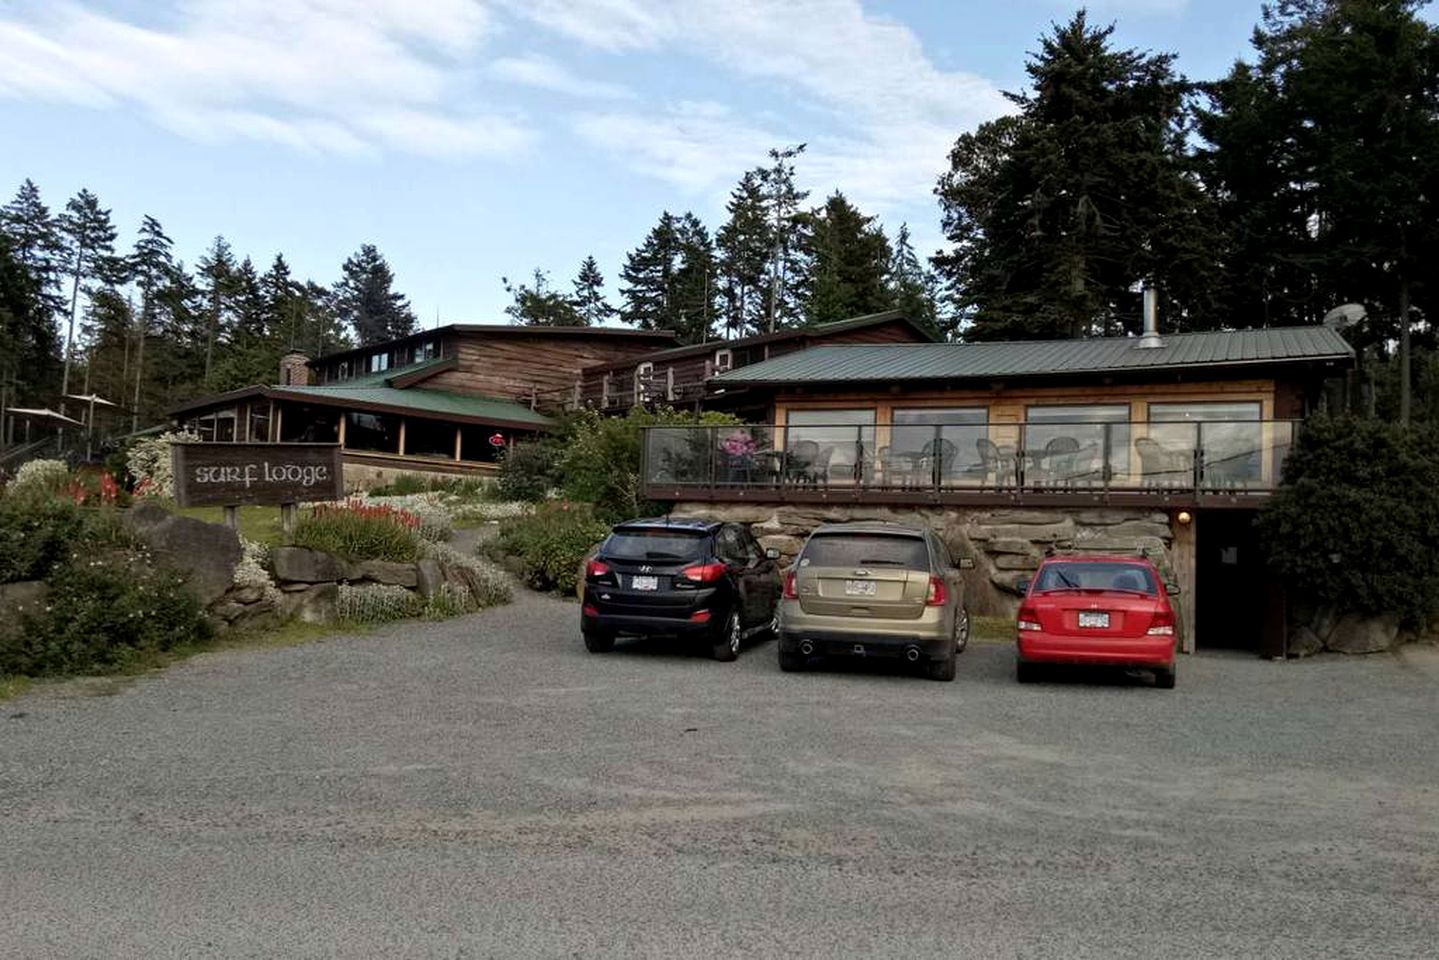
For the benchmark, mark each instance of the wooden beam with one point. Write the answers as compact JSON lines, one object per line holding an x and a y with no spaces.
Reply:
{"x":459,"y":443}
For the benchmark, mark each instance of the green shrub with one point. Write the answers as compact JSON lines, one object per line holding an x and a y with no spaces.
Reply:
{"x":529,"y":471}
{"x":471,"y":488}
{"x":376,"y":603}
{"x":550,"y":543}
{"x":39,"y":533}
{"x":1355,"y":524}
{"x":151,"y":465}
{"x":600,"y":463}
{"x":102,"y":613}
{"x":40,"y":477}
{"x":355,"y":531}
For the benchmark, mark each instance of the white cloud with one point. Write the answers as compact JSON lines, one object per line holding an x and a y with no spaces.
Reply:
{"x":327,"y":75}
{"x":890,"y":113}
{"x":546,"y":74}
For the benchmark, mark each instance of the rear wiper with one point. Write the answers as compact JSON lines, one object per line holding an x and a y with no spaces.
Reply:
{"x":661,"y":555}
{"x":1066,"y":581}
{"x":878,"y":560}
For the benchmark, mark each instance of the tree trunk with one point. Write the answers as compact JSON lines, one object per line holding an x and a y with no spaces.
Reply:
{"x":70,"y":332}
{"x":140,"y":362}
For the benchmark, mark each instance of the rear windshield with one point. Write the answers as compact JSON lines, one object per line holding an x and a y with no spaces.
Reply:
{"x":1095,"y":576}
{"x":654,"y":545}
{"x":866,"y":549}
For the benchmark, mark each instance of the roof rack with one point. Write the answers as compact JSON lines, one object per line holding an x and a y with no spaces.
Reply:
{"x":1147,"y":553}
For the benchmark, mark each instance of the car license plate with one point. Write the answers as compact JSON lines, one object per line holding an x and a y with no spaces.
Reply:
{"x":645,"y":583}
{"x":1090,"y":618}
{"x":859,"y":588}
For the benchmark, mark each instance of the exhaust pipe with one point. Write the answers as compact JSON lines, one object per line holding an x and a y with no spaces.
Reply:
{"x":1150,"y":338}
{"x":911,"y":654}
{"x":806,"y":648}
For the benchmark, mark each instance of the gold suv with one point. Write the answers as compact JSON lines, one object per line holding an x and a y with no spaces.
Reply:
{"x":874,"y":590}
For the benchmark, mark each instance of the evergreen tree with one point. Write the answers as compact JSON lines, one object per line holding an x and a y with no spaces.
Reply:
{"x":1324,"y":157}
{"x":35,"y":242}
{"x":782,"y":205}
{"x":541,"y":305}
{"x":692,"y":298}
{"x":151,"y":265}
{"x":218,"y":283}
{"x":88,"y":237}
{"x":589,"y":298}
{"x":107,"y":328}
{"x":745,"y":244}
{"x":1058,"y":213}
{"x":251,"y":304}
{"x":27,"y":335}
{"x":648,"y":276}
{"x":912,"y":287}
{"x":847,"y":257}
{"x":366,"y":301}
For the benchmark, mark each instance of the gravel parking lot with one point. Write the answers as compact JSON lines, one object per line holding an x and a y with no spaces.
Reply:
{"x":485,"y":788}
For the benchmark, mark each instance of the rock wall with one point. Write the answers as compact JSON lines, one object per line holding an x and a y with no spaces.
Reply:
{"x":1006,"y":544}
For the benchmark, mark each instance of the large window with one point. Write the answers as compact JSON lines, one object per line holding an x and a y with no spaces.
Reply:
{"x":218,"y":426}
{"x":429,"y":438}
{"x":482,"y":444}
{"x":379,"y":362}
{"x":1226,"y":438}
{"x":302,"y":423}
{"x":825,"y":445}
{"x":926,"y":443}
{"x":259,"y":421}
{"x":378,"y":432}
{"x":1076,"y":444}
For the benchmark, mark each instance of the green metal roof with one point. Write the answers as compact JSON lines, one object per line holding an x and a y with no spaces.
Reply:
{"x":417,"y":400}
{"x":961,"y":361}
{"x":383,"y":377}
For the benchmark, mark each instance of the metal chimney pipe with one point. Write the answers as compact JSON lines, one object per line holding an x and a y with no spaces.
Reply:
{"x":1150,"y":338}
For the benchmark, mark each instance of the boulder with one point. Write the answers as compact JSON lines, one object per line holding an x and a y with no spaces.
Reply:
{"x":1008,"y":580}
{"x":249,"y":593}
{"x":314,"y":604}
{"x":1060,"y":529}
{"x":1304,"y":642}
{"x":788,"y":547}
{"x":429,"y":578}
{"x":1361,"y":634}
{"x":1102,"y":517}
{"x":1027,"y":518}
{"x":385,"y":571}
{"x":1139,"y":529}
{"x":1007,"y":545}
{"x":1011,"y":561}
{"x":205,"y":554}
{"x":303,"y":565}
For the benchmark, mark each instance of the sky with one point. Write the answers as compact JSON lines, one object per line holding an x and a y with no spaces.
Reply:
{"x":476,"y":139}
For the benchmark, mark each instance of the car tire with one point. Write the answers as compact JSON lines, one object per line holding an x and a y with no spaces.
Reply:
{"x":791,"y":662}
{"x":961,"y":630}
{"x":941,"y":669}
{"x":596,"y":642}
{"x":726,"y":645}
{"x":1026,"y":672}
{"x":1164,"y":678}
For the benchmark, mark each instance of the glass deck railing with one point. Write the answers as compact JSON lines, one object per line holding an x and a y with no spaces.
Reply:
{"x":1202,"y":456}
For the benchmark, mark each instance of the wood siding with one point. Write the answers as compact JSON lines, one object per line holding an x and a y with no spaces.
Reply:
{"x":524,"y":368}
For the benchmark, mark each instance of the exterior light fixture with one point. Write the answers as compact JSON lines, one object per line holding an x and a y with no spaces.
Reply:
{"x":1184,"y":517}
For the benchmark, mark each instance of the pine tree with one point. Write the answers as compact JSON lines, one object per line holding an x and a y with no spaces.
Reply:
{"x":27,"y":335}
{"x":366,"y":301}
{"x":1056,"y":214}
{"x":782,"y":204}
{"x":692,"y":297}
{"x":218,"y":282}
{"x":541,"y":305}
{"x":88,"y":237}
{"x":912,"y":287}
{"x":589,"y":298}
{"x":745,"y":244}
{"x":107,"y":329}
{"x":648,"y":276}
{"x":847,"y":257}
{"x":151,"y":266}
{"x":35,"y":242}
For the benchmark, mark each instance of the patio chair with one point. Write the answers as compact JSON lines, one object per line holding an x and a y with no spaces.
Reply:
{"x":801,"y":460}
{"x":937,"y":460}
{"x":1059,"y":459}
{"x":994,"y":463}
{"x":1162,"y":467}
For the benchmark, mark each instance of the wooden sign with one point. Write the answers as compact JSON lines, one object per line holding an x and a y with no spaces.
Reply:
{"x":240,"y":474}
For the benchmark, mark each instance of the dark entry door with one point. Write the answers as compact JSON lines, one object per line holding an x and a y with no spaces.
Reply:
{"x":1232,"y":583}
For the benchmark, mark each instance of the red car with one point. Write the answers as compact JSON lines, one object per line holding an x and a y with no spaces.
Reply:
{"x":1098,"y":610}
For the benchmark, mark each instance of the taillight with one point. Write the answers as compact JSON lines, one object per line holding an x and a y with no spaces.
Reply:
{"x":1162,"y":624}
{"x":704,"y":573}
{"x":938,"y":595}
{"x":591,"y":611}
{"x":791,"y":589}
{"x":597,"y":568}
{"x":700,"y":616}
{"x":1028,"y":619}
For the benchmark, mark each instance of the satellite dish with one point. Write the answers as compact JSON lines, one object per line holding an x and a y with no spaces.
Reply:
{"x":1345,"y":315}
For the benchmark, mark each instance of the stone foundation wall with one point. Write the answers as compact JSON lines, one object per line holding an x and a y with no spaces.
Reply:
{"x":1006,"y":544}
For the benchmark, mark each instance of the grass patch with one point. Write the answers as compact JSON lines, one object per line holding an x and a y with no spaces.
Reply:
{"x":992,"y":629}
{"x":13,"y":687}
{"x":260,"y":524}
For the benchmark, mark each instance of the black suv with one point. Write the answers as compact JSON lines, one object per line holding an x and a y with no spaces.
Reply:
{"x":693,"y":579}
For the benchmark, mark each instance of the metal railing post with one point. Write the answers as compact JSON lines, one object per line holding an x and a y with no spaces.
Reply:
{"x":1107,"y":449}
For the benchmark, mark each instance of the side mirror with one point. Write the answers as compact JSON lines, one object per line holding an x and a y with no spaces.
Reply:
{"x":1022,"y":585}
{"x":965,"y":563}
{"x":1172,"y":589}
{"x":771,"y":554}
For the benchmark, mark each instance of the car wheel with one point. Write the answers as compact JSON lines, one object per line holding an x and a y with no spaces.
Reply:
{"x":726,"y":645}
{"x":1164,"y":678}
{"x":599,"y":642}
{"x":1025,"y":672}
{"x":791,"y":662}
{"x":941,"y":669}
{"x":961,"y":630}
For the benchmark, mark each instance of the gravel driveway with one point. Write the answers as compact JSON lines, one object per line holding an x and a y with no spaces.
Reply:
{"x":485,"y":788}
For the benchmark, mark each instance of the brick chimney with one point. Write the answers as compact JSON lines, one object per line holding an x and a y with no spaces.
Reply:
{"x":294,"y":370}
